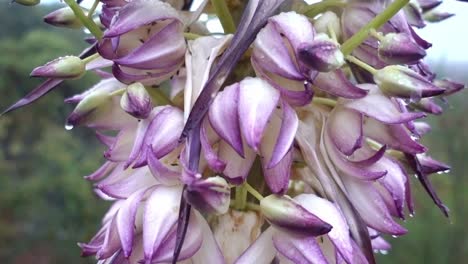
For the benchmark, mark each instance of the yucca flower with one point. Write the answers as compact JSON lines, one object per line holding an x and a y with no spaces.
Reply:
{"x":321,"y":124}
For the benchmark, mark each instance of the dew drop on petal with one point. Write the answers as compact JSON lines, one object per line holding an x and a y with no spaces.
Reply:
{"x":68,"y":126}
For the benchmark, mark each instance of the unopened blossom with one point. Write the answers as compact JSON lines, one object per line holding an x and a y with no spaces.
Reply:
{"x":276,"y":144}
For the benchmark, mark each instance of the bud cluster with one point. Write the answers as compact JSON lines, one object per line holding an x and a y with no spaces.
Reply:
{"x":290,"y":141}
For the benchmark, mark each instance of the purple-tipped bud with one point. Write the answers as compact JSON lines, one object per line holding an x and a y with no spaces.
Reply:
{"x":436,"y":16}
{"x":322,"y":54}
{"x":328,"y":20}
{"x":422,"y":128}
{"x":400,"y":48}
{"x":68,"y":67}
{"x":400,"y":81}
{"x":27,"y":2}
{"x":430,"y":165}
{"x":450,"y":86}
{"x":429,"y":106}
{"x":286,"y":214}
{"x":426,"y":5}
{"x":211,"y":195}
{"x":413,"y":14}
{"x":63,"y":17}
{"x":136,"y":101}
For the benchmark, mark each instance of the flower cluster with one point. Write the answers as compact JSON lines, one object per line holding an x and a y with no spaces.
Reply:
{"x":313,"y":109}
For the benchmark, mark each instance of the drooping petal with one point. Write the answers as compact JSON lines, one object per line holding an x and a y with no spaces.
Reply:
{"x":257,"y":100}
{"x":300,"y":249}
{"x":371,"y":206}
{"x":380,"y":107}
{"x":337,"y":84}
{"x":224,"y":117}
{"x":211,"y":195}
{"x":330,"y":213}
{"x":291,"y":217}
{"x":262,"y":251}
{"x":345,"y":129}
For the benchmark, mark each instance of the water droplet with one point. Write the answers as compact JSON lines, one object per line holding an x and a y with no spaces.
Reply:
{"x":68,"y":126}
{"x":394,"y":236}
{"x":383,"y":252}
{"x":411,"y":215}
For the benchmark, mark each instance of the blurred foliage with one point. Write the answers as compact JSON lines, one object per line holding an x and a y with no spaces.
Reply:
{"x":46,"y":206}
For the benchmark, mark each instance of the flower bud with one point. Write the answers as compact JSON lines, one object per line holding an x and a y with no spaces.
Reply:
{"x":286,"y":214}
{"x":428,"y":105}
{"x":450,"y":86}
{"x":400,"y":48}
{"x":27,"y":2}
{"x":400,"y":81}
{"x":328,"y":20}
{"x":68,"y":67}
{"x":436,"y":16}
{"x":136,"y":101}
{"x":322,"y":54}
{"x":63,"y":17}
{"x":211,"y":195}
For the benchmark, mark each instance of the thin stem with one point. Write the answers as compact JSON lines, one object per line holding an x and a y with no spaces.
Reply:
{"x":241,"y":197}
{"x":158,"y":96}
{"x":189,"y":35}
{"x":93,"y":9}
{"x":253,"y":192}
{"x":332,"y":33}
{"x":376,"y":34}
{"x":322,"y":6}
{"x":118,"y":92}
{"x":324,"y":101}
{"x":91,"y":58}
{"x":375,"y":23}
{"x":87,"y":22}
{"x":224,"y":16}
{"x":361,"y":64}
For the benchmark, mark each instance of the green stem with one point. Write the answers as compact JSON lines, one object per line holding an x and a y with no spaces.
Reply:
{"x":224,"y":16}
{"x":324,"y":101}
{"x":93,"y":9}
{"x":322,"y":6}
{"x":91,"y":58}
{"x":158,"y":96}
{"x":253,"y":192}
{"x":189,"y":35}
{"x":375,"y":23}
{"x":241,"y":197}
{"x":376,"y":34}
{"x":87,"y":22}
{"x":361,"y":64}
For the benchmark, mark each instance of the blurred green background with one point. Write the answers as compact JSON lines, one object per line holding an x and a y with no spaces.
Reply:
{"x":46,"y":206}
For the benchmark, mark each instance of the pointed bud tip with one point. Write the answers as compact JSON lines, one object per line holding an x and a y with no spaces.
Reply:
{"x":69,"y":67}
{"x":63,"y":17}
{"x":400,"y":48}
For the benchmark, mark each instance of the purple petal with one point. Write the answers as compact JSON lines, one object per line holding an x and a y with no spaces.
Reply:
{"x":337,"y":84}
{"x":394,"y":136}
{"x":159,"y":218}
{"x":131,"y":17}
{"x":211,"y":195}
{"x":261,"y":250}
{"x":237,"y":168}
{"x":136,"y":180}
{"x":160,"y":171}
{"x":299,"y":249}
{"x":125,"y":220}
{"x":102,"y":171}
{"x":345,"y":129}
{"x":286,"y":135}
{"x":330,"y":213}
{"x":371,"y":206}
{"x":210,"y":154}
{"x":380,"y":107}
{"x":277,"y":177}
{"x":291,"y":217}
{"x":224,"y":117}
{"x":257,"y":100}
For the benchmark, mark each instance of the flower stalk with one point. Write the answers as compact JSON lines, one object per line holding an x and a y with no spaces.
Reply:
{"x":87,"y":22}
{"x":225,"y":17}
{"x":375,"y":24}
